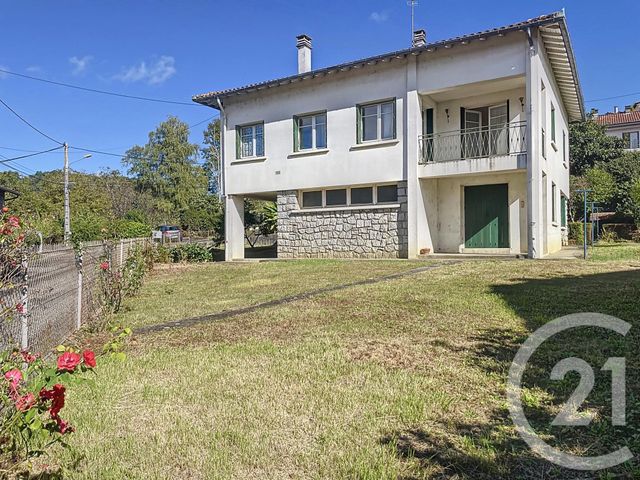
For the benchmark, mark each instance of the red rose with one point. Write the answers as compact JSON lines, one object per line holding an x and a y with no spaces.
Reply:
{"x":14,"y":221}
{"x":56,"y":395}
{"x":104,"y":266}
{"x":25,"y":402}
{"x":68,"y":361}
{"x":20,"y":308}
{"x":89,"y":358}
{"x":27,"y":357}
{"x":14,"y":376}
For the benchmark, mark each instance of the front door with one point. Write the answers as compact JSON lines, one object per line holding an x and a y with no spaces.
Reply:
{"x":498,"y":130}
{"x":486,"y":216}
{"x":472,"y":136}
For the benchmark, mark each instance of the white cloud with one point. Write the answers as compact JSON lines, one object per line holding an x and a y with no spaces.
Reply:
{"x":80,"y":64}
{"x":153,"y":73}
{"x":379,"y":17}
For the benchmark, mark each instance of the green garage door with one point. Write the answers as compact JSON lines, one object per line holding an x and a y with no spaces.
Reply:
{"x":486,"y":216}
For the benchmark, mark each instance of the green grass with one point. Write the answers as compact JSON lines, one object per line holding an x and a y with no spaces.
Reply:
{"x":615,"y":251}
{"x":401,"y":379}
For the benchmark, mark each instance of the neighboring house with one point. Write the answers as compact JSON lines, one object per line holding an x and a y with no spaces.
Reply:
{"x":625,"y":125}
{"x":458,"y":146}
{"x":7,"y":194}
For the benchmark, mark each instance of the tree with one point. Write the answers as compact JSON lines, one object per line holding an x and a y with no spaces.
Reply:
{"x":625,"y":171}
{"x":591,"y":145}
{"x":167,"y":168}
{"x":211,"y":156}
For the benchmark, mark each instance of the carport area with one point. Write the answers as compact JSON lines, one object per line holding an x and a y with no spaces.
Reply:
{"x":245,"y":237}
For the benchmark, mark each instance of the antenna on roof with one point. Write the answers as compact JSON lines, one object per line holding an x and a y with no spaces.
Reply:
{"x":413,"y":4}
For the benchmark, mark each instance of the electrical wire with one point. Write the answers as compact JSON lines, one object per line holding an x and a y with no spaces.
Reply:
{"x":29,"y":124}
{"x":612,"y":98}
{"x":103,"y":92}
{"x":29,"y":155}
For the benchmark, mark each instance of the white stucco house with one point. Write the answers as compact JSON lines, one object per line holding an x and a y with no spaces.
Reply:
{"x":458,"y":146}
{"x":622,"y":124}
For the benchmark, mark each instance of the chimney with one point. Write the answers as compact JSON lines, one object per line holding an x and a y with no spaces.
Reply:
{"x":616,"y":110}
{"x":594,"y":113}
{"x":419,"y":38}
{"x":628,"y":108}
{"x":304,"y":53}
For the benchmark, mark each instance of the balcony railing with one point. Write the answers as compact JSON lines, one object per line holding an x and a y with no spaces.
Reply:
{"x":508,"y":139}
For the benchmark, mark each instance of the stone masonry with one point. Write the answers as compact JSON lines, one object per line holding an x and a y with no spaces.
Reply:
{"x":367,"y":232}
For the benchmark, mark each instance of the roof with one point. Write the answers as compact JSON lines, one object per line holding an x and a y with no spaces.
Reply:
{"x":622,"y":118}
{"x":555,"y":37}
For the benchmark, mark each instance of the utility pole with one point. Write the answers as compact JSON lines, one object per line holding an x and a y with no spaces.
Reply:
{"x":412,"y":4}
{"x":67,"y":212}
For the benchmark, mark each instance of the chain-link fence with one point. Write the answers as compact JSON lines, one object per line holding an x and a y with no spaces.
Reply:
{"x":55,"y":293}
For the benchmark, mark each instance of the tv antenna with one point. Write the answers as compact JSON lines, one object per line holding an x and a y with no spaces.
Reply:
{"x":413,"y":4}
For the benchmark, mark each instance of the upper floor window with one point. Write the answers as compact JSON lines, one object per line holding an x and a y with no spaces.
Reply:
{"x":565,"y":157}
{"x":377,"y":121}
{"x":553,"y":123}
{"x":250,"y":141}
{"x":310,"y":132}
{"x":631,"y":139}
{"x":543,"y":120}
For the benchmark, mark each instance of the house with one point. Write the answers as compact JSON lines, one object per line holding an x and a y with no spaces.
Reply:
{"x":625,"y":125}
{"x":457,"y":146}
{"x":7,"y":194}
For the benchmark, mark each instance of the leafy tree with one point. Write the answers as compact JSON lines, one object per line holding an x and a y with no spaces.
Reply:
{"x":625,"y":171}
{"x":211,"y":155}
{"x":590,"y":145}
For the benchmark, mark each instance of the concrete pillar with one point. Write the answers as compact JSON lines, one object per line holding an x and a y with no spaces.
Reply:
{"x":534,"y":154}
{"x":412,"y":123}
{"x":234,"y":228}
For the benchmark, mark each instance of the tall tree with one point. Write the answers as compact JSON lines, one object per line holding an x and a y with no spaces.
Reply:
{"x":590,"y":145}
{"x":167,"y":167}
{"x":211,"y":155}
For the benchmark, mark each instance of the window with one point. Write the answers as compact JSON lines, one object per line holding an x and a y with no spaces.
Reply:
{"x":312,"y":199}
{"x":336,"y":197}
{"x":361,"y":195}
{"x":250,"y":141}
{"x":387,"y":193}
{"x":376,"y":121}
{"x":554,"y":215}
{"x":352,"y":196}
{"x":563,"y":210}
{"x":543,"y":120}
{"x":310,"y":132}
{"x":631,"y":139}
{"x":553,"y":123}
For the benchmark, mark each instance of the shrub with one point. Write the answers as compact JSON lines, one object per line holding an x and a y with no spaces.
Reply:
{"x":132,"y":229}
{"x":191,"y":252}
{"x":576,"y":232}
{"x":32,"y":394}
{"x":161,"y":254}
{"x":620,"y":230}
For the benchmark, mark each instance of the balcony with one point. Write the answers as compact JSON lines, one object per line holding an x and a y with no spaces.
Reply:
{"x":474,"y":143}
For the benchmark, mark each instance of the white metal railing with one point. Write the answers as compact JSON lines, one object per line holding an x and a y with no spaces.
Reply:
{"x":508,"y":139}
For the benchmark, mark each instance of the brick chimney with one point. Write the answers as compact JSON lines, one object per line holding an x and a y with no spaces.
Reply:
{"x":304,"y":53}
{"x":419,"y":38}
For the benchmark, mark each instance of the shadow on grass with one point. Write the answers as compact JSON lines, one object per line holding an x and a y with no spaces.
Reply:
{"x":490,"y":449}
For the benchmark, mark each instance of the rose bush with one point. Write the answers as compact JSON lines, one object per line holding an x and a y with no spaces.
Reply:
{"x":32,"y":396}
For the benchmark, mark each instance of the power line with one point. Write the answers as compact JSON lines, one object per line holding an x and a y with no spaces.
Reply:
{"x":103,"y":92}
{"x":29,"y":124}
{"x":612,"y":98}
{"x":29,"y":155}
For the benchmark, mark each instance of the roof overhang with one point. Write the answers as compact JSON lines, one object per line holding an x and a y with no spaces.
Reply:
{"x":553,"y":30}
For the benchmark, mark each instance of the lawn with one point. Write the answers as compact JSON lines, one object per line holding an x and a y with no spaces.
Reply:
{"x":399,"y":379}
{"x":615,"y":251}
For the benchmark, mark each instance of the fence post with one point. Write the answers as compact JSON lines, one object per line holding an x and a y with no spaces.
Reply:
{"x":121,"y":251}
{"x":24,"y":302}
{"x":80,"y":279}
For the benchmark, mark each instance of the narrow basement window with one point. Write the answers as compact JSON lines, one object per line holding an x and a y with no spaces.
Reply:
{"x":387,"y":193}
{"x":312,"y":199}
{"x":336,"y":197}
{"x":361,"y":195}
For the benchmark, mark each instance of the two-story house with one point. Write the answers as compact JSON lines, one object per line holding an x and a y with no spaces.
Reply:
{"x":625,"y":124}
{"x":457,"y":146}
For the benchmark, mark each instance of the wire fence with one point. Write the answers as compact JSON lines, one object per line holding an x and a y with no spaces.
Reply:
{"x":55,"y":291}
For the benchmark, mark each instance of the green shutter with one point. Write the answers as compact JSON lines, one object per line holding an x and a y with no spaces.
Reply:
{"x":238,"y":148}
{"x":296,"y":134}
{"x":394,"y":119}
{"x":358,"y":124}
{"x":563,"y":211}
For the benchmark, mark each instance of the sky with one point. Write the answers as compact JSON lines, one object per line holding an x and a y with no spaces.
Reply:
{"x":173,"y":49}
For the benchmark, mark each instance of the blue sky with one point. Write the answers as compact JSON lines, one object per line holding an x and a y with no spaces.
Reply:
{"x":172,"y":49}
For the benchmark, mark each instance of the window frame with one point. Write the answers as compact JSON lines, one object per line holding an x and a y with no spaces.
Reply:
{"x":254,"y":144}
{"x":554,"y":202}
{"x":626,"y":138}
{"x":349,"y":203}
{"x":314,"y":138}
{"x":553,"y":123}
{"x":360,"y":121}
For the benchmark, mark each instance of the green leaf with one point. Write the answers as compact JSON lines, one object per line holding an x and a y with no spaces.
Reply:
{"x":60,"y":348}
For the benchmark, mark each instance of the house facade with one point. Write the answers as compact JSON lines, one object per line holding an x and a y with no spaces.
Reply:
{"x":458,"y":146}
{"x":622,"y":124}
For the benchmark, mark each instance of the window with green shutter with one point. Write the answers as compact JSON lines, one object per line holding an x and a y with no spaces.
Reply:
{"x":563,"y":211}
